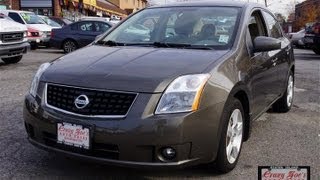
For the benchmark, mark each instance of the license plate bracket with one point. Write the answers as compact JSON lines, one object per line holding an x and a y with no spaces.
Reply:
{"x":74,"y":135}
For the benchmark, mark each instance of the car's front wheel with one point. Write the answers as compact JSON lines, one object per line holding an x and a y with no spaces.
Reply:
{"x":69,"y":46}
{"x":12,"y":60}
{"x":232,"y":136}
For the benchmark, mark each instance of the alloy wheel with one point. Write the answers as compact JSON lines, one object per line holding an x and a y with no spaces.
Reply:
{"x":290,"y":91}
{"x":69,"y":46}
{"x":234,"y":136}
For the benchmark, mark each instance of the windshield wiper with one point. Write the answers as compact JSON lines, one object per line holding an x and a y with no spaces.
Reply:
{"x":110,"y":43}
{"x":155,"y":44}
{"x":200,"y":47}
{"x":164,"y":44}
{"x":114,"y":43}
{"x":181,"y":45}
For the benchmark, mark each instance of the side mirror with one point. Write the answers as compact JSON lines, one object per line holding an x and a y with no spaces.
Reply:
{"x":262,"y":44}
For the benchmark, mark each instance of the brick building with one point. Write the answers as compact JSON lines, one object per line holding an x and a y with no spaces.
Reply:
{"x":8,"y":4}
{"x":306,"y":12}
{"x":67,"y":7}
{"x":130,"y":6}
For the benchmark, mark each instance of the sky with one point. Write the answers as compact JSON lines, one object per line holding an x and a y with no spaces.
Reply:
{"x":276,"y":6}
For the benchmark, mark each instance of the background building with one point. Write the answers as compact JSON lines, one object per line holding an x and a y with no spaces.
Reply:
{"x":9,"y":4}
{"x":130,"y":6}
{"x":72,"y":9}
{"x":306,"y":12}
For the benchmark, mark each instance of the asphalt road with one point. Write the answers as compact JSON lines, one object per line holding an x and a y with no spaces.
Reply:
{"x":277,"y":139}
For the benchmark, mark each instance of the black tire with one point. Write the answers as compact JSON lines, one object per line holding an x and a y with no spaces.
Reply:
{"x":69,"y":46}
{"x":282,"y":105}
{"x":316,"y":50}
{"x":222,"y":163}
{"x":12,"y":60}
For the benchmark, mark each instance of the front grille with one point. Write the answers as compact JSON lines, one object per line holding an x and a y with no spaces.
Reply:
{"x":108,"y":151}
{"x":12,"y":37}
{"x":101,"y":103}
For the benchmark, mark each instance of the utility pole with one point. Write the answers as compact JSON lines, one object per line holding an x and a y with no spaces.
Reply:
{"x":265,"y":2}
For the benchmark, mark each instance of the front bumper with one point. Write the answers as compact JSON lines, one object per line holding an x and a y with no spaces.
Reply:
{"x":132,"y":141}
{"x":7,"y":51}
{"x":39,"y":40}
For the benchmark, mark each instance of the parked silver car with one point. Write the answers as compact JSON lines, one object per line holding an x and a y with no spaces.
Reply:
{"x":297,"y":38}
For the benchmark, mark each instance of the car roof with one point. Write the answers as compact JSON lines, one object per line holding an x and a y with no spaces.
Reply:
{"x":93,"y":20}
{"x":206,"y":3}
{"x":17,"y":11}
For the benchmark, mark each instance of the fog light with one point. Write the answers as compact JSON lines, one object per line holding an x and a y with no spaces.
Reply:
{"x":168,"y":153}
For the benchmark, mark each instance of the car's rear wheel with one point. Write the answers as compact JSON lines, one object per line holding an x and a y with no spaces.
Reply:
{"x":316,"y":50}
{"x":12,"y":60}
{"x":232,"y":136}
{"x":69,"y":46}
{"x":284,"y":104}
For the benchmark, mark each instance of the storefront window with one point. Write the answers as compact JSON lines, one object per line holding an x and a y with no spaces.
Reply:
{"x":40,"y":11}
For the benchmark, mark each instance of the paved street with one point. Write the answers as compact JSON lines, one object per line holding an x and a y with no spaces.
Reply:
{"x":277,"y":139}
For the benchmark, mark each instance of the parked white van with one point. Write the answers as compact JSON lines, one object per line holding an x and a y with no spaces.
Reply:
{"x":13,"y":40}
{"x":39,"y":32}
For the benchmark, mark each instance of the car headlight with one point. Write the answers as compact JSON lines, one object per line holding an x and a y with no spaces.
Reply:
{"x":183,"y":94}
{"x":36,"y":79}
{"x":25,"y":34}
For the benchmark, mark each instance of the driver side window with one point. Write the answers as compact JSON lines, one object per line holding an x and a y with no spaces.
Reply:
{"x":256,"y":26}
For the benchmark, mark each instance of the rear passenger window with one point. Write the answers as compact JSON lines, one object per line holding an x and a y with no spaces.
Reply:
{"x":101,"y":27}
{"x":273,"y":26}
{"x":16,"y":17}
{"x":86,"y":26}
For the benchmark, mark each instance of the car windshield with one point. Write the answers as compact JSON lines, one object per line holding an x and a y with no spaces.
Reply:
{"x":178,"y":27}
{"x":50,"y":22}
{"x":31,"y":18}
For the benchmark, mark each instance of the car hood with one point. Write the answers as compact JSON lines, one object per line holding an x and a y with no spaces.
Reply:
{"x":11,"y":26}
{"x":135,"y":69}
{"x":40,"y":27}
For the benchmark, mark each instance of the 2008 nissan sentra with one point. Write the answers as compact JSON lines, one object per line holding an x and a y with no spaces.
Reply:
{"x":171,"y":86}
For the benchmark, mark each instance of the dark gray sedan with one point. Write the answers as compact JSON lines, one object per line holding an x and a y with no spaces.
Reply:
{"x":171,"y":86}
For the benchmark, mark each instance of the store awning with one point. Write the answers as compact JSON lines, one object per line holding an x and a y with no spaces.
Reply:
{"x":36,"y":3}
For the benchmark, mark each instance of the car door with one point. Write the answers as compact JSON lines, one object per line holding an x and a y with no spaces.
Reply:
{"x":280,"y":58}
{"x":86,"y":32}
{"x":262,"y":73}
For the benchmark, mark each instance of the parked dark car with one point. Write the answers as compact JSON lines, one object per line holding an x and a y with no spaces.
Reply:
{"x":169,"y":97}
{"x":61,"y":21}
{"x":316,"y":38}
{"x":77,"y":35}
{"x":312,"y":36}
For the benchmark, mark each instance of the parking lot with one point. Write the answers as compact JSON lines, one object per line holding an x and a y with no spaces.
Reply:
{"x":277,"y":139}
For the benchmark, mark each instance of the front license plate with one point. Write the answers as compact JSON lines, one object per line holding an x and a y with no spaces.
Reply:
{"x":73,"y":135}
{"x":37,"y":40}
